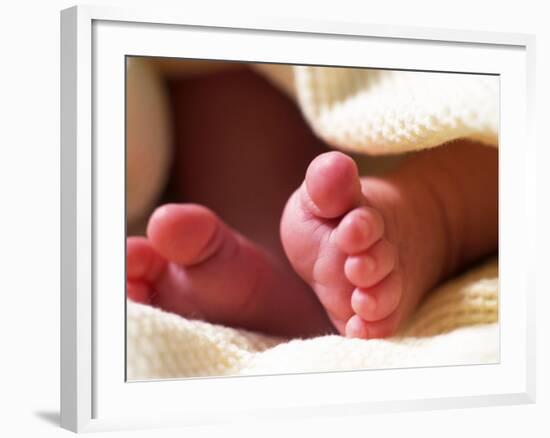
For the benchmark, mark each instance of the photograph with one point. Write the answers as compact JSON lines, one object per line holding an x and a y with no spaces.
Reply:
{"x":289,"y":219}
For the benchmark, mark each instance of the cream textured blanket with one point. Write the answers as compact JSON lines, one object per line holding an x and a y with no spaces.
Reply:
{"x":388,"y":112}
{"x":455,"y":325}
{"x":376,"y":112}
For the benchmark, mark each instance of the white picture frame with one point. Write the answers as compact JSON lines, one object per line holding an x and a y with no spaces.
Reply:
{"x":94,"y":42}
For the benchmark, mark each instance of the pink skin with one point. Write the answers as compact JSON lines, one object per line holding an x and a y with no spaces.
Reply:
{"x":372,"y":247}
{"x":358,"y":254}
{"x":193,"y":264}
{"x":347,"y":260}
{"x":342,"y":236}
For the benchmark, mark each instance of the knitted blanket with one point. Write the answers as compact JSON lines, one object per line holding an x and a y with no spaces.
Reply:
{"x":389,"y":112}
{"x":457,"y":324}
{"x":370,"y":111}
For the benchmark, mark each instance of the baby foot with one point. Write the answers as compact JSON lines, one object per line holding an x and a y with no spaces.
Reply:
{"x":369,"y":248}
{"x":193,"y":264}
{"x":341,"y":238}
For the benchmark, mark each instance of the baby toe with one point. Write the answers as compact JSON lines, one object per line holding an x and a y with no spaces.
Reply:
{"x":138,"y":291}
{"x":368,"y":268}
{"x":143,"y":267}
{"x":143,"y":263}
{"x":186,"y":234}
{"x":331,"y":186}
{"x":378,"y":302}
{"x":359,"y":229}
{"x":356,"y":327}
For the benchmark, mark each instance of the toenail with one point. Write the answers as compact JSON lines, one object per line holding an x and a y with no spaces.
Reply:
{"x":363,"y":227}
{"x":368,"y":264}
{"x":356,"y":328}
{"x":363,"y":263}
{"x":363,"y":303}
{"x":371,"y":305}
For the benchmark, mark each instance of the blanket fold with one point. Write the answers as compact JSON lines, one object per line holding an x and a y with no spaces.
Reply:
{"x":386,"y":111}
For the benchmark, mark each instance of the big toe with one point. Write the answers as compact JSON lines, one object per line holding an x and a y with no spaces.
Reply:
{"x":143,"y":267}
{"x":332,"y":185}
{"x":186,"y":234}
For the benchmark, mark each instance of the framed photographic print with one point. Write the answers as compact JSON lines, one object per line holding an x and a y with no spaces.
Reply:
{"x":261,"y":218}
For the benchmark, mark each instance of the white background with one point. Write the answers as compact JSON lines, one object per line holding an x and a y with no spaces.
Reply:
{"x":29,"y":220}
